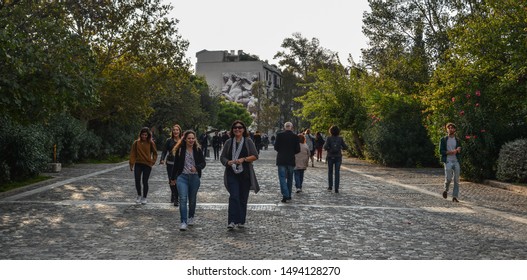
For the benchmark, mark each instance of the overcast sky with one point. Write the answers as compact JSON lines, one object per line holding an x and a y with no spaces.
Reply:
{"x":259,"y":27}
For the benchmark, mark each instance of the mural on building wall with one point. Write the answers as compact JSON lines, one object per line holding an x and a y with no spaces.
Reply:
{"x":237,"y":88}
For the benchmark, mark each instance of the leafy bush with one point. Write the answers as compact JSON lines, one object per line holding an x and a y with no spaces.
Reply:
{"x":512,"y":162}
{"x":24,"y":150}
{"x":478,"y":157}
{"x":396,"y":136}
{"x":116,"y":138}
{"x":90,"y":146}
{"x":67,"y":133}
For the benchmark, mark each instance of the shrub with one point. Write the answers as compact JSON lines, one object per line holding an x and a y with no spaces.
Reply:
{"x":512,"y":162}
{"x":24,"y":150}
{"x":90,"y":146}
{"x":396,"y":137}
{"x":66,"y":133}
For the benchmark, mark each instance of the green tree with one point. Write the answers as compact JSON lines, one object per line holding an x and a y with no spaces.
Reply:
{"x":300,"y":58}
{"x":401,"y":24}
{"x":231,"y":111}
{"x":46,"y":68}
{"x":482,"y":87}
{"x":334,"y":98}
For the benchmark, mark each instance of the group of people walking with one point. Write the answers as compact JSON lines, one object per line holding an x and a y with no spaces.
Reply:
{"x":185,"y":160}
{"x":294,"y":151}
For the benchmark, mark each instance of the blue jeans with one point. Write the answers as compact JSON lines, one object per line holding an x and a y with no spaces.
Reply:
{"x":238,"y":188}
{"x":187,"y":186}
{"x":334,"y":162}
{"x":299,"y":178}
{"x":452,"y":168}
{"x":145,"y":170}
{"x":285,"y":175}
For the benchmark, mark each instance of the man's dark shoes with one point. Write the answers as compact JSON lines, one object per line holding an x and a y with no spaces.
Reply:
{"x":330,"y":189}
{"x":284,"y":200}
{"x":444,"y":194}
{"x":454,"y":199}
{"x":288,"y":198}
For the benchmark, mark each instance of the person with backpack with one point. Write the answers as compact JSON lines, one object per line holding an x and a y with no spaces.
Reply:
{"x":333,"y":147}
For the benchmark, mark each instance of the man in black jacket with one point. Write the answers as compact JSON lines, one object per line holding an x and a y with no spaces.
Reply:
{"x":286,"y":145}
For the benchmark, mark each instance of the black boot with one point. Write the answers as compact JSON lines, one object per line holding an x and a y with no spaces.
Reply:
{"x":175,"y":196}
{"x":172,"y":197}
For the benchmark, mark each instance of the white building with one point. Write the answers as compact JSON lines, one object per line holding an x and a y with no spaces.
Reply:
{"x":222,"y":68}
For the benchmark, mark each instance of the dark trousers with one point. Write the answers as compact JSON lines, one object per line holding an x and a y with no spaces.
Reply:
{"x":238,"y":187}
{"x":334,"y":164}
{"x":299,"y":177}
{"x":217,"y":152}
{"x":173,"y":189}
{"x":142,"y":169}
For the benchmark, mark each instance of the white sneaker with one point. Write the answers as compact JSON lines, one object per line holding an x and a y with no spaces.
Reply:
{"x":183,"y":227}
{"x":138,"y":199}
{"x":241,"y":225}
{"x":143,"y":200}
{"x":231,"y":225}
{"x":190,"y":221}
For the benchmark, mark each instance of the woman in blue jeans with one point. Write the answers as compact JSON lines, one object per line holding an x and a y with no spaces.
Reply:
{"x":333,"y":146}
{"x":188,"y":163}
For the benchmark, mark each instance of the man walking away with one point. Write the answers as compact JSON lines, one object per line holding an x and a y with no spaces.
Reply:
{"x":286,"y":145}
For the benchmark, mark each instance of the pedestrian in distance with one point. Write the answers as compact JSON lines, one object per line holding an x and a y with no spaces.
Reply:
{"x":301,"y":162}
{"x":450,"y":150}
{"x":216,"y":145}
{"x":265,"y":142}
{"x":319,"y":144}
{"x":310,"y":141}
{"x":188,"y":164}
{"x":258,"y":141}
{"x":204,"y":143}
{"x":238,"y":155}
{"x":286,"y":145}
{"x":143,"y":155}
{"x":167,"y":158}
{"x":334,"y":146}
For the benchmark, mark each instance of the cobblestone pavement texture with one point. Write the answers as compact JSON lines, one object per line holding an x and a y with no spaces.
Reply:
{"x":88,"y":212}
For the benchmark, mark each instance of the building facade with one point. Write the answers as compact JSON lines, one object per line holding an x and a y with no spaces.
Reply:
{"x":231,"y":74}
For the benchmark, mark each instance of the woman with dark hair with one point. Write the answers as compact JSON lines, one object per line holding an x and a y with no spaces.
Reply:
{"x":188,"y":163}
{"x":239,"y":178}
{"x":319,"y":144}
{"x":175,"y":135}
{"x":143,"y":156}
{"x":333,"y":146}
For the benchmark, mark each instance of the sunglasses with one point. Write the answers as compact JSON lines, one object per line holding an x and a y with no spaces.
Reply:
{"x":237,"y":127}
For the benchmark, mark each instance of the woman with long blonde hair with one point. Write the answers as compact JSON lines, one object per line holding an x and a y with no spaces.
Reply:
{"x":186,"y":174}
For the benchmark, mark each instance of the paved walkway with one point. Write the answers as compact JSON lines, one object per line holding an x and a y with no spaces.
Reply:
{"x":88,"y":212}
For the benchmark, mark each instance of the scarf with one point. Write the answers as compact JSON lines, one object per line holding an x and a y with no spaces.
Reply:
{"x":237,"y":168}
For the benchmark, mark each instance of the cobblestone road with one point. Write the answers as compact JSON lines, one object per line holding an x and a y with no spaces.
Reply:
{"x":88,"y":212}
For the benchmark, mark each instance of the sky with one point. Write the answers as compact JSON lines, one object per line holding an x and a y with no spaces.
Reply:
{"x":259,"y":27}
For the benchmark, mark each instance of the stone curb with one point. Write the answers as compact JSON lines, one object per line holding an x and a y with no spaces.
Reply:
{"x":506,"y":186}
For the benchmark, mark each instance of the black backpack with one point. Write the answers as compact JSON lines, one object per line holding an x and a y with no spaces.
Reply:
{"x":335,"y":146}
